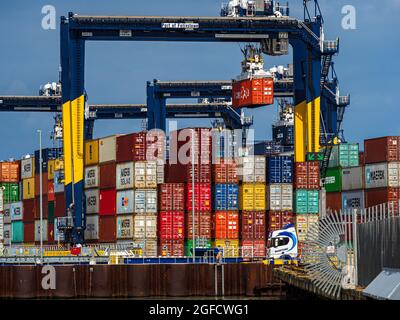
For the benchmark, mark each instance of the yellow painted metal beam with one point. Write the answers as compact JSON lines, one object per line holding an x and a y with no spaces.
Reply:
{"x":300,"y":125}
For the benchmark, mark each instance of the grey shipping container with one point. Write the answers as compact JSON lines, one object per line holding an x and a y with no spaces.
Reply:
{"x":27,"y":168}
{"x":38,"y":230}
{"x":353,"y":200}
{"x":7,"y":213}
{"x":92,"y":177}
{"x":125,"y":201}
{"x":352,"y":178}
{"x":125,"y":176}
{"x":92,"y":201}
{"x":92,"y":228}
{"x":17,"y":211}
{"x":382,"y":175}
{"x":125,"y":227}
{"x":146,"y":201}
{"x":7,"y":234}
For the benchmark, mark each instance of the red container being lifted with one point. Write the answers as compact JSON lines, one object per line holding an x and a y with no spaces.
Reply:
{"x":307,"y":175}
{"x":226,"y":225}
{"x":277,"y":220}
{"x":202,"y":225}
{"x":253,"y":92}
{"x":171,"y":248}
{"x":171,"y":225}
{"x":202,"y":196}
{"x":172,"y":197}
{"x":253,"y":225}
{"x":225,"y":172}
{"x":375,"y":197}
{"x":383,"y":149}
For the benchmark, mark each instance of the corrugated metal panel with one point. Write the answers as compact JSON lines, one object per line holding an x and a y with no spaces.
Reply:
{"x":306,"y":201}
{"x":230,"y":247}
{"x":352,"y":178}
{"x":7,"y":213}
{"x":125,"y":175}
{"x":382,"y":175}
{"x":92,"y":201}
{"x":7,"y":234}
{"x":149,"y":247}
{"x":253,"y":225}
{"x":171,"y":225}
{"x":386,"y":286}
{"x":92,"y":177}
{"x":28,"y":188}
{"x":125,"y":202}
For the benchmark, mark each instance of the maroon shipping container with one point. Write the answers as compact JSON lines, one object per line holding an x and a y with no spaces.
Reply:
{"x":202,"y":225}
{"x":333,"y":201}
{"x":50,"y":233}
{"x":171,"y":248}
{"x":175,"y":173}
{"x":383,"y":149}
{"x":253,"y":225}
{"x":29,"y":210}
{"x":374,"y":197}
{"x":171,"y":225}
{"x":172,"y":197}
{"x":131,"y":147}
{"x":108,"y":175}
{"x":202,"y":173}
{"x":107,"y":203}
{"x":277,"y":220}
{"x":181,"y":145}
{"x":59,"y":205}
{"x":202,"y":196}
{"x":253,"y":248}
{"x":45,"y":207}
{"x":225,"y":172}
{"x":307,"y":175}
{"x":107,"y":229}
{"x":155,"y":145}
{"x":45,"y":183}
{"x":29,"y":232}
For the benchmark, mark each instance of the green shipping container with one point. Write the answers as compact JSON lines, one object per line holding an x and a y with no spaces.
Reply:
{"x":17,"y":232}
{"x":306,"y":201}
{"x":50,"y":212}
{"x":333,"y":180}
{"x":344,"y":155}
{"x":199,"y":244}
{"x":11,"y":192}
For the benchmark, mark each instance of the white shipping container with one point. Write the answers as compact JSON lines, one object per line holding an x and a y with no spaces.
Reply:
{"x":58,"y":236}
{"x":92,"y":201}
{"x":27,"y":168}
{"x":252,"y":169}
{"x":125,"y":227}
{"x":146,"y":201}
{"x":352,"y":178}
{"x":140,"y":174}
{"x":125,"y":202}
{"x":17,"y":211}
{"x":92,"y":228}
{"x":149,"y":247}
{"x":151,"y":174}
{"x":125,"y":176}
{"x":303,"y":223}
{"x":7,"y":234}
{"x":7,"y":213}
{"x":92,"y":177}
{"x":108,"y":149}
{"x":353,"y":200}
{"x":145,"y":226}
{"x":382,"y":175}
{"x":160,"y":172}
{"x":280,"y":197}
{"x":38,"y":230}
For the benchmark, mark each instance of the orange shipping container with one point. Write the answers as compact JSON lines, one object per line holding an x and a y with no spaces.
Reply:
{"x":9,"y":171}
{"x":253,"y":92}
{"x":226,"y":225}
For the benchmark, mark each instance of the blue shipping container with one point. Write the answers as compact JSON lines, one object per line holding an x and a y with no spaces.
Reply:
{"x":47,"y":154}
{"x":58,"y":181}
{"x":267,"y":148}
{"x":283,"y":135}
{"x":280,"y":169}
{"x":226,"y":197}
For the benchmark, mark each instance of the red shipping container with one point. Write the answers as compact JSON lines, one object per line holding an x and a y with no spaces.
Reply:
{"x":155,"y":145}
{"x":202,"y":197}
{"x":172,"y":197}
{"x":9,"y":171}
{"x":202,"y":173}
{"x":107,"y":203}
{"x":375,"y":197}
{"x":29,"y":232}
{"x":171,"y":248}
{"x":253,"y":92}
{"x":175,"y":173}
{"x":171,"y":225}
{"x":131,"y":147}
{"x":253,"y":248}
{"x":107,"y":229}
{"x":307,"y":175}
{"x":50,"y":233}
{"x":45,"y":207}
{"x":253,"y":225}
{"x":50,"y":193}
{"x":333,"y":201}
{"x":202,"y":225}
{"x":277,"y":220}
{"x":383,"y":149}
{"x":29,"y":210}
{"x":108,"y":175}
{"x":45,"y":182}
{"x":226,"y":225}
{"x":59,"y":205}
{"x":225,"y":172}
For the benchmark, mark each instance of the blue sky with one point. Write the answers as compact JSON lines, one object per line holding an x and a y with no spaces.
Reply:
{"x":368,"y":65}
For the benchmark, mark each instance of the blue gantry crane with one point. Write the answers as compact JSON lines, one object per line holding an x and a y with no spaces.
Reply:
{"x":318,"y":106}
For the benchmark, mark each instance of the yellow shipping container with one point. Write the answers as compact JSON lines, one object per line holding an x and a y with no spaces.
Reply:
{"x":50,"y":169}
{"x":28,"y":186}
{"x":252,"y":197}
{"x":58,"y":164}
{"x":230,"y":247}
{"x":91,"y":152}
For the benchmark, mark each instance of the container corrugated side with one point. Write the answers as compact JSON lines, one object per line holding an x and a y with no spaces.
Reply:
{"x":381,"y":175}
{"x":92,"y":177}
{"x":125,"y":227}
{"x":353,"y":200}
{"x":352,"y":178}
{"x":125,"y":202}
{"x":280,"y":197}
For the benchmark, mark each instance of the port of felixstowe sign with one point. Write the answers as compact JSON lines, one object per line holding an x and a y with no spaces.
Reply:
{"x":179,"y":25}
